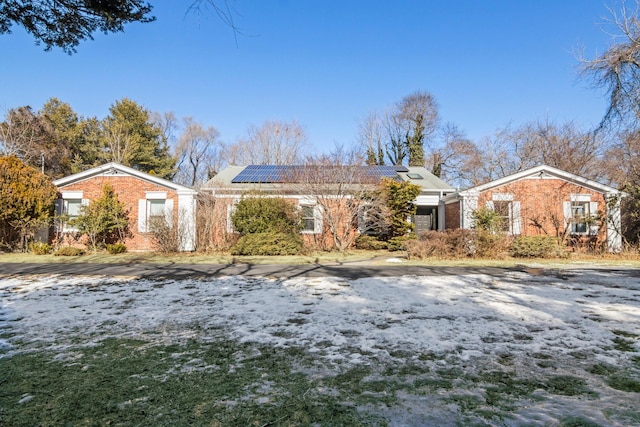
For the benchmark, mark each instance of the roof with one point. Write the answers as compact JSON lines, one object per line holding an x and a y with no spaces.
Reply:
{"x":111,"y":169}
{"x":544,"y":171}
{"x":271,"y":176}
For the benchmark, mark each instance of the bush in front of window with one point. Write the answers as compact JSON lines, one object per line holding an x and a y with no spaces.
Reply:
{"x":488,"y":220}
{"x":116,"y":248}
{"x":270,"y":243}
{"x":69,"y":251}
{"x":538,"y":247}
{"x":40,"y":248}
{"x":259,"y":214}
{"x":369,"y":243}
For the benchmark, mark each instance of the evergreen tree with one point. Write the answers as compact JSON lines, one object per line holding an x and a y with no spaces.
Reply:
{"x":399,"y":199}
{"x":130,"y":137}
{"x":104,"y":220}
{"x":26,"y":197}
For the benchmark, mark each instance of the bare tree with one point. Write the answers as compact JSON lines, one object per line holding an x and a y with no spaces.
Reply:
{"x":371,"y":138}
{"x":336,"y":182}
{"x":457,"y":159}
{"x":617,"y":70}
{"x":418,"y":113}
{"x":272,"y":143}
{"x":118,"y":142}
{"x":401,"y":132}
{"x":564,"y":146}
{"x":23,"y":134}
{"x":198,"y":152}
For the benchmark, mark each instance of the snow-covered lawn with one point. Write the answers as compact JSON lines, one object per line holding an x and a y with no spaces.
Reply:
{"x":564,"y":326}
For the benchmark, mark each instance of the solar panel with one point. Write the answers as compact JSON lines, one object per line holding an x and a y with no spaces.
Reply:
{"x":272,"y":174}
{"x":400,"y":168}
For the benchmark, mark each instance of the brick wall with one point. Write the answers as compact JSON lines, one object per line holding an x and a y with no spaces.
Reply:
{"x":129,"y":190}
{"x":541,"y":203}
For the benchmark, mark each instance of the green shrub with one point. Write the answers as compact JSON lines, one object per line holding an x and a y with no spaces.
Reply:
{"x":259,"y":214}
{"x":399,"y":242}
{"x":69,"y":251}
{"x":40,"y":248}
{"x":369,"y":243}
{"x":538,"y":247}
{"x":116,"y":248}
{"x":272,"y":243}
{"x":488,"y":220}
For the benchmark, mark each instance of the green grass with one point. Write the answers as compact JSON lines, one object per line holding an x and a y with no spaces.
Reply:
{"x":352,"y":256}
{"x":127,"y":382}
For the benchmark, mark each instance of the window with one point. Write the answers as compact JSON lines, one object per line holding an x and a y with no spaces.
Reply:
{"x":508,"y":211}
{"x":155,"y":209}
{"x":71,"y":208}
{"x":68,"y":208}
{"x":579,"y":216}
{"x":154,"y":206}
{"x":308,"y":216}
{"x":503,"y":209}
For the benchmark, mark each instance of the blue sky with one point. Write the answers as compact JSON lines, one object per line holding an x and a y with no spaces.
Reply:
{"x":327,"y":64}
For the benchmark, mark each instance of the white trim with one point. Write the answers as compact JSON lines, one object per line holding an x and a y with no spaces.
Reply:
{"x":580,"y":197}
{"x":502,"y":197}
{"x":544,"y":171}
{"x":155,"y":195}
{"x":72,"y":194}
{"x":114,"y":169}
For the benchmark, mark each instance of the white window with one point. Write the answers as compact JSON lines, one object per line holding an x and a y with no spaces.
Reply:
{"x":310,"y":217}
{"x":155,"y":209}
{"x":155,"y":205}
{"x":508,"y":211}
{"x":580,"y":215}
{"x":69,"y":208}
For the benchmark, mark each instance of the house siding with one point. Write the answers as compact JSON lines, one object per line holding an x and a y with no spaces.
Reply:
{"x":129,"y":190}
{"x":542,"y":204}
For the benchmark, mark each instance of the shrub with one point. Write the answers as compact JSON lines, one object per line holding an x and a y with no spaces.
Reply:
{"x":399,"y":242}
{"x":116,"y":248}
{"x":104,"y":220}
{"x":258,"y":214}
{"x":491,"y":245}
{"x":488,"y":220}
{"x":272,"y":243}
{"x":369,"y":243}
{"x":538,"y":247}
{"x":69,"y":251}
{"x":458,"y":243}
{"x":442,"y":244}
{"x":40,"y":248}
{"x":166,"y":238}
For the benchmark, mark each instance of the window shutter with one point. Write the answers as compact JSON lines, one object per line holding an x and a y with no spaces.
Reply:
{"x":593,"y":212}
{"x":230,"y":210}
{"x":516,"y":218}
{"x":142,"y":215}
{"x":567,"y":212}
{"x":317,"y":224}
{"x":168,"y":211}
